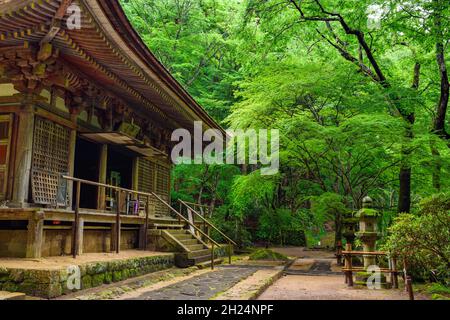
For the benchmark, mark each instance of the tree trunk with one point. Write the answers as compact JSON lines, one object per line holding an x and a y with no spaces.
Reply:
{"x":404,"y":196}
{"x":439,"y":122}
{"x":436,"y":166}
{"x":338,"y":229}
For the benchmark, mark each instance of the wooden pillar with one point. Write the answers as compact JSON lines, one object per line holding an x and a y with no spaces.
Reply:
{"x":348,"y":266}
{"x":394,"y":274}
{"x":35,"y":237}
{"x":143,"y":229}
{"x":80,"y":235}
{"x":72,"y":147}
{"x":135,"y":174}
{"x":116,"y":227}
{"x":76,"y":223}
{"x":24,"y":150}
{"x":102,"y":172}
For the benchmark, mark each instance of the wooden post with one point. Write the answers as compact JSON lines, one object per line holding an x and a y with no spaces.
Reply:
{"x":405,"y":274}
{"x":118,"y":204}
{"x":72,"y":147}
{"x":80,"y":235}
{"x":75,"y":224}
{"x":212,"y":256}
{"x":35,"y":235}
{"x":24,"y":147}
{"x":229,"y":251}
{"x":408,"y":285}
{"x":147,"y":214}
{"x":348,"y":263}
{"x":339,"y":253}
{"x":394,"y":274}
{"x":102,"y":171}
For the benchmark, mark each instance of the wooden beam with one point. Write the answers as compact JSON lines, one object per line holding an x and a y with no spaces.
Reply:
{"x":56,"y":24}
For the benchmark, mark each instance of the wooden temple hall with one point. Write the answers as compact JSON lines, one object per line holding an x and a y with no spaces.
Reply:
{"x":86,"y":117}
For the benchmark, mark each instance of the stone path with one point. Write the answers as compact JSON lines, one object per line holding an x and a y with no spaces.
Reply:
{"x":201,"y":287}
{"x":318,"y":268}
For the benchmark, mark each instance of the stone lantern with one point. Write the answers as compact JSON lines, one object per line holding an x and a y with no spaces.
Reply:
{"x":368,"y":229}
{"x":349,"y":228}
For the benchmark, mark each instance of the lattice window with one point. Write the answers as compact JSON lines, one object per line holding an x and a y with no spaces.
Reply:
{"x":162,"y":180}
{"x":146,"y":180}
{"x":50,"y":160}
{"x":153,"y":177}
{"x":162,"y":187}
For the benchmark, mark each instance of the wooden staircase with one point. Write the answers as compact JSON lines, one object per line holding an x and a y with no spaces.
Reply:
{"x":192,"y":250}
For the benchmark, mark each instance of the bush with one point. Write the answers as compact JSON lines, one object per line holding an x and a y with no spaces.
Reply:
{"x":423,"y":239}
{"x":281,"y":227}
{"x":266,"y":254}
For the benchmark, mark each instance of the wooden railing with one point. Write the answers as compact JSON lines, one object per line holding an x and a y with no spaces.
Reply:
{"x":119,"y":190}
{"x":348,"y":268}
{"x":207,"y":222}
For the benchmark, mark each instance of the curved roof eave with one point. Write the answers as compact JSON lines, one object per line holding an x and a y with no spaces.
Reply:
{"x":117,"y":17}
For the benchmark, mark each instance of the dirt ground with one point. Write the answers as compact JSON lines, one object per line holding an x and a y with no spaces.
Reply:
{"x":321,"y":287}
{"x":303,"y":287}
{"x":61,"y":262}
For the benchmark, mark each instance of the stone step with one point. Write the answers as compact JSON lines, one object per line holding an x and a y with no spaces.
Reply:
{"x":5,"y":295}
{"x":183,"y":236}
{"x":177,"y":231}
{"x":199,"y":253}
{"x":207,"y":263}
{"x":189,"y":242}
{"x":201,"y":259}
{"x":195,"y":247}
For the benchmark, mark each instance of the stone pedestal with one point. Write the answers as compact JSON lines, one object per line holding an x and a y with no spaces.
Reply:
{"x":368,"y":230}
{"x":368,"y":235}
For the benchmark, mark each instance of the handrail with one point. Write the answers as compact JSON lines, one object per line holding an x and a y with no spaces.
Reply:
{"x":143,"y":194}
{"x":196,"y":204}
{"x":75,"y":225}
{"x":186,"y":220}
{"x":208,"y":222}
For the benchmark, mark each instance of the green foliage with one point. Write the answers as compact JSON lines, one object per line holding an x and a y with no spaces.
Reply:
{"x":266,"y":254}
{"x":262,"y":64}
{"x":438,"y":288}
{"x":423,"y":239}
{"x":193,"y":40}
{"x":281,"y":227}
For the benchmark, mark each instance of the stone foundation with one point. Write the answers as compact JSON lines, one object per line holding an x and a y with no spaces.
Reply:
{"x":51,"y":283}
{"x":58,"y":242}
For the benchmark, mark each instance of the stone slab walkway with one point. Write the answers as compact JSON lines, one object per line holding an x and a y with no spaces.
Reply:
{"x":253,"y":286}
{"x":202,"y":287}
